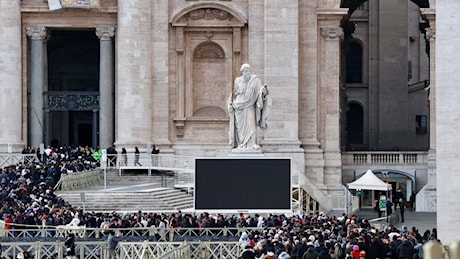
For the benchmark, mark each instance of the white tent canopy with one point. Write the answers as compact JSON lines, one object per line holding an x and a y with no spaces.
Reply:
{"x":369,"y":182}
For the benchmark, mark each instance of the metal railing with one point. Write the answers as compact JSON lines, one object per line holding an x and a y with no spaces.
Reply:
{"x":156,"y":161}
{"x":126,"y":250}
{"x":78,"y":180}
{"x":169,"y":250}
{"x":7,"y":159}
{"x":167,"y":234}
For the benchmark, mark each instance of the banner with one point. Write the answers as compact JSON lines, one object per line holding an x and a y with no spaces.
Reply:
{"x":54,"y":5}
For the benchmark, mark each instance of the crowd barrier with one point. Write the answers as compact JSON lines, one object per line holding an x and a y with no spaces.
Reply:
{"x":126,"y":250}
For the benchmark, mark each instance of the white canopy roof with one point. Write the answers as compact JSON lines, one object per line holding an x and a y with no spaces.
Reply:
{"x":369,"y":182}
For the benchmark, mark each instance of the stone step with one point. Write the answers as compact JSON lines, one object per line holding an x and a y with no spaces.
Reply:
{"x":160,"y":199}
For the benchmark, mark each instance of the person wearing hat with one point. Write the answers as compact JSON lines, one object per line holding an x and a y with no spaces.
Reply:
{"x":355,"y":253}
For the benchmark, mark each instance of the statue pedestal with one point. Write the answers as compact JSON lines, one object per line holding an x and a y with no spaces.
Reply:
{"x":246,"y":152}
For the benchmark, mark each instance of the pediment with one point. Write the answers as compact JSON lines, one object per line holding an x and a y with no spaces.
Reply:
{"x":206,"y":14}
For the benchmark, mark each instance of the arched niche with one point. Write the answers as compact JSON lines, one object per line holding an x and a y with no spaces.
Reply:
{"x":208,"y":56}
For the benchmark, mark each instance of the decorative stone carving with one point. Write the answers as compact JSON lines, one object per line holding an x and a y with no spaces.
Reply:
{"x":36,"y":33}
{"x":431,"y":34}
{"x":208,"y":14}
{"x":72,"y":101}
{"x":105,"y":33}
{"x":209,"y":50}
{"x":331,"y":33}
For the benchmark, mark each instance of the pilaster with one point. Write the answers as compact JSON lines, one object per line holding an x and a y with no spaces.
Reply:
{"x":10,"y":73}
{"x":133,"y":104}
{"x":160,"y":75}
{"x":280,"y":74}
{"x":329,"y":86}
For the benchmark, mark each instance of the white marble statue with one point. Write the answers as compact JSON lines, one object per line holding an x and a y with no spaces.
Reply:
{"x":248,"y":109}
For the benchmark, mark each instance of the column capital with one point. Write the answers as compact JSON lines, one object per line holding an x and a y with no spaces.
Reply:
{"x":105,"y":33}
{"x":36,"y":33}
{"x":431,"y":34}
{"x":332,"y":33}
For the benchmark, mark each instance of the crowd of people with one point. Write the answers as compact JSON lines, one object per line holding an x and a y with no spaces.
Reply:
{"x":27,"y":188}
{"x":323,"y":237}
{"x":29,"y":200}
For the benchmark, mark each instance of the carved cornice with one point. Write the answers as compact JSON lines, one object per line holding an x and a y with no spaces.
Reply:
{"x":36,"y":33}
{"x":105,"y":33}
{"x":332,"y":33}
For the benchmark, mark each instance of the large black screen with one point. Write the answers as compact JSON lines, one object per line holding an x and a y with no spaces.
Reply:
{"x":243,"y":184}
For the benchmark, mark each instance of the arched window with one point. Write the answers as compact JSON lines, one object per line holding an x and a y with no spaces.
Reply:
{"x":355,"y":123}
{"x":354,"y":63}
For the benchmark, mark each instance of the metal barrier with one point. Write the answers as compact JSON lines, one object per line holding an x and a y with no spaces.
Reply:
{"x":169,"y":233}
{"x":78,"y":180}
{"x":126,"y":250}
{"x":169,"y":250}
{"x":7,"y":159}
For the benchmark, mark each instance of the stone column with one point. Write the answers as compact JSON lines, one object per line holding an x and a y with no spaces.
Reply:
{"x":37,"y":75}
{"x":10,"y":73}
{"x":329,"y":89}
{"x":106,"y":86}
{"x":134,"y":74}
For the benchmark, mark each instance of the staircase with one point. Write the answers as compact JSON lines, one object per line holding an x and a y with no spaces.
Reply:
{"x":133,"y":191}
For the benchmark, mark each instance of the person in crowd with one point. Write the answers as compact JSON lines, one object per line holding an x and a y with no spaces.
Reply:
{"x":136,"y":156}
{"x":112,"y":243}
{"x":402,"y":208}
{"x":124,"y":157}
{"x":70,"y":246}
{"x":389,"y":206}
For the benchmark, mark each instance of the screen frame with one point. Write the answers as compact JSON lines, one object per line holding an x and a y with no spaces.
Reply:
{"x":246,"y":210}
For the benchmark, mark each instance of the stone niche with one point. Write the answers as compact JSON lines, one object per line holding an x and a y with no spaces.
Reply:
{"x":207,"y":48}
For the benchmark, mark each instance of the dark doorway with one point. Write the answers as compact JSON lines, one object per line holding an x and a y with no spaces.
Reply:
{"x":73,"y":67}
{"x":81,"y":131}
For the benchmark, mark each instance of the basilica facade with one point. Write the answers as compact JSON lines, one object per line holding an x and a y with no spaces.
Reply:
{"x":345,"y":77}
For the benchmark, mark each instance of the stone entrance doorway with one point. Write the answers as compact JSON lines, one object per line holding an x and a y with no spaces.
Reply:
{"x":72,"y":99}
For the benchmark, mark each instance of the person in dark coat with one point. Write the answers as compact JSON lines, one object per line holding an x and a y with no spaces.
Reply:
{"x":311,"y":252}
{"x":70,"y":245}
{"x":401,"y":209}
{"x":302,"y":249}
{"x":324,"y":253}
{"x":389,"y":206}
{"x":248,"y":253}
{"x":405,"y":250}
{"x":375,"y":250}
